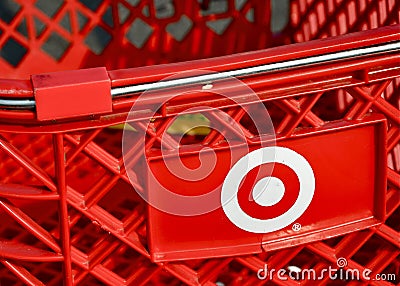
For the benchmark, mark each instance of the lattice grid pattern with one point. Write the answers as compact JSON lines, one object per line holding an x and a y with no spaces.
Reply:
{"x":73,"y":34}
{"x":320,"y":19}
{"x":107,"y":219}
{"x":70,"y":190}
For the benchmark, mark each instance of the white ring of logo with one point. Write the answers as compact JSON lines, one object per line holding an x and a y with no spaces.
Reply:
{"x":230,"y":188}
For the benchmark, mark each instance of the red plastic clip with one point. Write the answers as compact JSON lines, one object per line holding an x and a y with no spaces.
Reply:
{"x":68,"y":94}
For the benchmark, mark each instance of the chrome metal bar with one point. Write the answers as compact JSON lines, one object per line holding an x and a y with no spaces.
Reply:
{"x":17,"y":103}
{"x":209,"y":78}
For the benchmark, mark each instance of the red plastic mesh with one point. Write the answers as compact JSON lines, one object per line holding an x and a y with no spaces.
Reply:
{"x":118,"y":34}
{"x":107,"y":220}
{"x":317,"y":19}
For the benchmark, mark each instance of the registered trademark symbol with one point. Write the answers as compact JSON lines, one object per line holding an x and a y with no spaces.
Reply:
{"x":296,"y":227}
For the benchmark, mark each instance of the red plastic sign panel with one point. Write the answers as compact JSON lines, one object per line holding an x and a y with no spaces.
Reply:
{"x":309,"y":187}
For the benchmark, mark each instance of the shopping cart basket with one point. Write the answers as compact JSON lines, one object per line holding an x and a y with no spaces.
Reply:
{"x":91,"y":136}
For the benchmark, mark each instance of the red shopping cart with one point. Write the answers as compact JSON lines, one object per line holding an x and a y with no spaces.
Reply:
{"x":108,"y":107}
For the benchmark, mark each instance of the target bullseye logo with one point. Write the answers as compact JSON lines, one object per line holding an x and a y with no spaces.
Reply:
{"x":269,"y":190}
